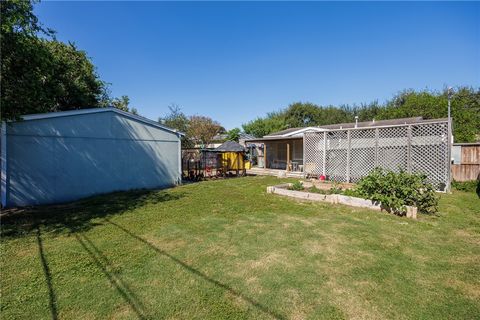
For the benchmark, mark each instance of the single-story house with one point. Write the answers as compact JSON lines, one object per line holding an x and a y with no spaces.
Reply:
{"x":286,"y":146}
{"x":348,"y":151}
{"x":64,"y":156}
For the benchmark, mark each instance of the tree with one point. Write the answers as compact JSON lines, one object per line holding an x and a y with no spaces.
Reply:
{"x":202,"y":129}
{"x":176,"y":119}
{"x":123,"y":103}
{"x":234,"y":134}
{"x":274,"y":121}
{"x":432,"y":104}
{"x":408,"y":103}
{"x":42,"y":74}
{"x":301,"y":115}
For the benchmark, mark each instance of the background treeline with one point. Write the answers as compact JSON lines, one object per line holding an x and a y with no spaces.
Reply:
{"x":465,"y":103}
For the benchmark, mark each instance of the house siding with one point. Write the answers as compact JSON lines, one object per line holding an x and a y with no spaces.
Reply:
{"x":61,"y":159}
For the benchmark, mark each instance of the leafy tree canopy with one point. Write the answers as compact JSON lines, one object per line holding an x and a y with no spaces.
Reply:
{"x":41,"y":74}
{"x":465,"y":108}
{"x":234,"y":134}
{"x":123,"y":103}
{"x":176,"y":119}
{"x":274,"y":121}
{"x":202,"y":129}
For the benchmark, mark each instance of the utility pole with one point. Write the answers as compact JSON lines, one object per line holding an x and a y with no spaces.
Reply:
{"x":450,"y":138}
{"x":449,"y":95}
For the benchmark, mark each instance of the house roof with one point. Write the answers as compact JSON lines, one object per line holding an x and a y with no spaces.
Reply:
{"x":467,"y":144}
{"x":230,"y":146}
{"x":283,"y":132}
{"x":295,"y":133}
{"x":246,"y":136}
{"x":70,"y":113}
{"x":374,"y":123}
{"x":224,"y":136}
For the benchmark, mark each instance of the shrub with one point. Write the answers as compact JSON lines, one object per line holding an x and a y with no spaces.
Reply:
{"x":397,"y":190}
{"x":297,"y":185}
{"x":467,"y":186}
{"x":317,"y":190}
{"x":353,"y":193}
{"x":335,"y":188}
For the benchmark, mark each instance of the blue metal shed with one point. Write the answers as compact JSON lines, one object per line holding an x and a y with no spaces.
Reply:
{"x":64,"y":156}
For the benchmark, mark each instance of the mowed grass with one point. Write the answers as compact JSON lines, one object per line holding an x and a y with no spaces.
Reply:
{"x":227,"y":250}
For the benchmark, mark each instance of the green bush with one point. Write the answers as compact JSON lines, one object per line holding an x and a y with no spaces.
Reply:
{"x":336,"y":188}
{"x":397,"y":190}
{"x":314,"y":189}
{"x":297,"y":185}
{"x":467,"y":186}
{"x":352,"y":193}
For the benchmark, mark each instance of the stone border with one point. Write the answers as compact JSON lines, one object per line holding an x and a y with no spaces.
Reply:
{"x":282,"y":189}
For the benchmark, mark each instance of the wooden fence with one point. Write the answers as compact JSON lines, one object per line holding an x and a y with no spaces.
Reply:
{"x":469,"y":166}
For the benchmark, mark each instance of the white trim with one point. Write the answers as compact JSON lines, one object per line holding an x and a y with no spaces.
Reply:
{"x":3,"y":160}
{"x":179,"y":180}
{"x":70,"y":113}
{"x":425,"y":122}
{"x":298,"y":132}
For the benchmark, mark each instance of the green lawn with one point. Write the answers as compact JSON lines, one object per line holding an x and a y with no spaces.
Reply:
{"x":226,"y":249}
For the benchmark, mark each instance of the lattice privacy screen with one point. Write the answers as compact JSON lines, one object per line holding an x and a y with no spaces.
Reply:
{"x":348,"y":155}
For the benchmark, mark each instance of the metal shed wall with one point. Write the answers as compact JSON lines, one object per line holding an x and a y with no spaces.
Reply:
{"x":59,"y":159}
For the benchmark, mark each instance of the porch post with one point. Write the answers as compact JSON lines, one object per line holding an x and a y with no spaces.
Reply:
{"x":288,"y":156}
{"x":324,"y":169}
{"x":348,"y":154}
{"x":409,"y":149}
{"x":265,"y":155}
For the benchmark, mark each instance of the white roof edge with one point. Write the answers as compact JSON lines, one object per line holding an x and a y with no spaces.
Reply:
{"x":38,"y":116}
{"x":296,"y":132}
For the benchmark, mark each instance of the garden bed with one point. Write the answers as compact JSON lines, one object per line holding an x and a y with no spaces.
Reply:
{"x":283,"y":189}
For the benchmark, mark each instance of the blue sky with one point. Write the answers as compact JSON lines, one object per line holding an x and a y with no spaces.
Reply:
{"x":236,"y":61}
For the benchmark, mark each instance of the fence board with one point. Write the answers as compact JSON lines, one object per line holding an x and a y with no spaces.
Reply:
{"x":465,"y":172}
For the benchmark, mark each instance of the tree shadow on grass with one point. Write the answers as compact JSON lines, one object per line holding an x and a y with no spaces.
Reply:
{"x":115,"y":280}
{"x":52,"y":298}
{"x":79,"y":215}
{"x":200,"y":274}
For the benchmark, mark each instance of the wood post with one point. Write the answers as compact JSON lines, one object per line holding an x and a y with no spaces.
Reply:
{"x":324,"y":169}
{"x":376,"y":147}
{"x":348,"y":154}
{"x":265,"y":155}
{"x":409,"y":149}
{"x":288,"y":156}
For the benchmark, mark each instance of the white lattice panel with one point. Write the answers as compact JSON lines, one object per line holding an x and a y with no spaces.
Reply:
{"x":429,"y":153}
{"x":393,"y":148}
{"x":336,"y":160}
{"x":362,"y":153}
{"x":353,"y":153}
{"x":313,"y":153}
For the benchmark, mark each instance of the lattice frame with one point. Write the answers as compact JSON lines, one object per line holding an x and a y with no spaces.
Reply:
{"x":348,"y":155}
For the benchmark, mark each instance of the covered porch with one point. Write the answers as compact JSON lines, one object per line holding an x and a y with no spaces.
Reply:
{"x":280,"y":154}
